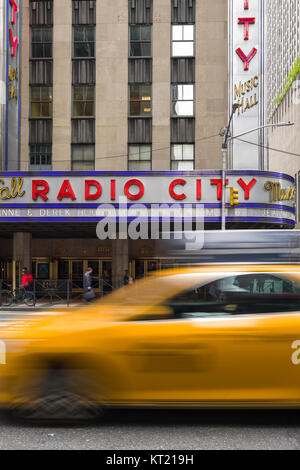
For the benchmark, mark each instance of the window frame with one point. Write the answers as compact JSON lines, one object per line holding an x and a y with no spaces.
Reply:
{"x":220,"y":304}
{"x":182,"y":160}
{"x":83,"y":27}
{"x":41,"y":28}
{"x":173,"y":41}
{"x":35,"y":154}
{"x":139,"y":160}
{"x":86,"y":101}
{"x":139,"y":100}
{"x":82,"y":145}
{"x":174,"y":101}
{"x":41,"y":102}
{"x":130,"y":41}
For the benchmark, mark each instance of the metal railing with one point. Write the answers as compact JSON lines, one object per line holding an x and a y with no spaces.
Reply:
{"x":49,"y":292}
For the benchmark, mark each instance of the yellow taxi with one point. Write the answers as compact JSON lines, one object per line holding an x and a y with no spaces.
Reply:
{"x":207,"y":336}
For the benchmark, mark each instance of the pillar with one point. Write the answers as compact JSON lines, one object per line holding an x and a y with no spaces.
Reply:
{"x":22,"y":249}
{"x":120,"y":261}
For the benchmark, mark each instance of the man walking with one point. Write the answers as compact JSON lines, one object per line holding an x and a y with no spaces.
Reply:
{"x":88,"y":294}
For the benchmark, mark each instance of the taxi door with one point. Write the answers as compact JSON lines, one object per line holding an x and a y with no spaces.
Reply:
{"x":222,"y":360}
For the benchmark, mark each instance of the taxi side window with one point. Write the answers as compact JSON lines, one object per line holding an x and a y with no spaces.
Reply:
{"x":242,"y":294}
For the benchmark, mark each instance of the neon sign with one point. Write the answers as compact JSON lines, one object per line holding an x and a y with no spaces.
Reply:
{"x":246,"y":59}
{"x":13,"y":41}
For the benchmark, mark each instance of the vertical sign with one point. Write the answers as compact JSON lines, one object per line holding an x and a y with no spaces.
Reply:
{"x":12,"y":157}
{"x":246,"y":87}
{"x":2,"y":82}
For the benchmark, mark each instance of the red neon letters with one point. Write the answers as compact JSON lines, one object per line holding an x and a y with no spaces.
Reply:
{"x":87,"y":193}
{"x":66,"y":190}
{"x":177,"y":197}
{"x":246,"y":22}
{"x":219,"y":183}
{"x":247,"y":187}
{"x":246,"y":59}
{"x":40,"y":192}
{"x":134,"y":197}
{"x":15,"y":9}
{"x":93,"y":190}
{"x":14,"y":42}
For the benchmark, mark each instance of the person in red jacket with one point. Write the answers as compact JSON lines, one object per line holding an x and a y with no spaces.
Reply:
{"x":26,"y":282}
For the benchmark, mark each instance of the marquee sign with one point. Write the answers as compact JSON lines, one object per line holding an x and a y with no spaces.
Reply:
{"x":58,"y":196}
{"x":246,"y":58}
{"x":13,"y":30}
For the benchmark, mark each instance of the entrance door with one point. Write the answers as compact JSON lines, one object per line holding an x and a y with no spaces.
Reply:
{"x":143,"y":267}
{"x":4,"y":271}
{"x":77,"y":274}
{"x":75,"y":269}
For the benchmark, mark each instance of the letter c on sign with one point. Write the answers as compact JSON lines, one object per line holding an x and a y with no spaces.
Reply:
{"x":128,"y":194}
{"x":174,"y":183}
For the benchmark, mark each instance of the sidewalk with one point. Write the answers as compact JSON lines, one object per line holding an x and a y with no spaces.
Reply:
{"x":40,"y":306}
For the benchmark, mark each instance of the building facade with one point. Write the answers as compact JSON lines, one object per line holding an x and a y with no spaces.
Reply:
{"x":120,"y":99}
{"x":282,"y":86}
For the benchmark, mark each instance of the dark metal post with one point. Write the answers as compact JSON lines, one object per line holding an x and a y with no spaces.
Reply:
{"x":68,"y":292}
{"x":34,"y":291}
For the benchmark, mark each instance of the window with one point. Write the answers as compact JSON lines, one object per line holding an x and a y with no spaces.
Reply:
{"x":241,"y":294}
{"x":139,"y":157}
{"x":41,"y":43}
{"x":83,"y":157}
{"x":140,"y":100}
{"x":182,"y":100}
{"x":140,"y":41}
{"x":83,"y":100}
{"x":40,"y":155}
{"x":182,"y":157}
{"x":41,"y":102}
{"x":182,"y":40}
{"x":84,"y":41}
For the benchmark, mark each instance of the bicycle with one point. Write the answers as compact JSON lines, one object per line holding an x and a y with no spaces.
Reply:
{"x":17,"y":296}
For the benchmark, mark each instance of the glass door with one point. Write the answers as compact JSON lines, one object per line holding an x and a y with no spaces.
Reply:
{"x":143,"y":267}
{"x":77,"y":274}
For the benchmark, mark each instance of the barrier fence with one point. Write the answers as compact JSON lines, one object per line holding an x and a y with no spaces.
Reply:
{"x":49,"y":292}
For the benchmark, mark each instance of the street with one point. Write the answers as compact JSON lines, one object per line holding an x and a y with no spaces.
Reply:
{"x":168,"y":430}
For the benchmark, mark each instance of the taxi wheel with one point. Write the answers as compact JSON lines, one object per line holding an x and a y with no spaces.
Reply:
{"x":58,"y":398}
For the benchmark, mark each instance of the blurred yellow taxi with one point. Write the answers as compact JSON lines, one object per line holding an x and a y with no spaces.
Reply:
{"x":207,"y":336}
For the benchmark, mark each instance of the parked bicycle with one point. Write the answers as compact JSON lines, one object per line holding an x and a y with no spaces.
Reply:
{"x":17,"y":296}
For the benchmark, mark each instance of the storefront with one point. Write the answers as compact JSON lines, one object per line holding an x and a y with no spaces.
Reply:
{"x":57,"y":223}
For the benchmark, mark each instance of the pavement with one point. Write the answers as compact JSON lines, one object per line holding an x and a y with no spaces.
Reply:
{"x":163,"y":430}
{"x":38,"y":307}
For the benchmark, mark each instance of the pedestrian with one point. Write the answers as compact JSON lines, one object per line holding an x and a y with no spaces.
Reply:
{"x":127,"y":278}
{"x":26,"y":284}
{"x":88,"y":294}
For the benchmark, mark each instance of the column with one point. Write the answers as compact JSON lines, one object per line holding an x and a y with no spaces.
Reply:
{"x":22,"y":249}
{"x":211,"y":89}
{"x":120,"y":261}
{"x":161,"y":85}
{"x":111,"y":85}
{"x":62,"y":85}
